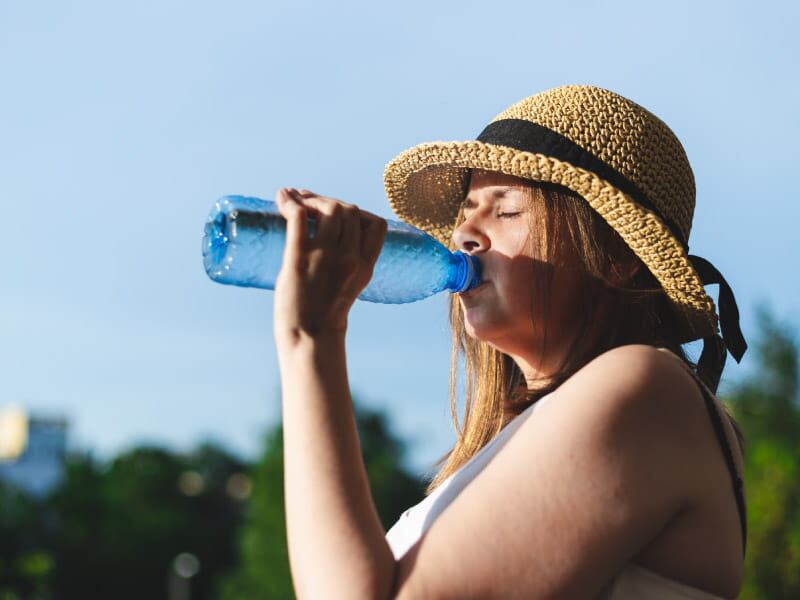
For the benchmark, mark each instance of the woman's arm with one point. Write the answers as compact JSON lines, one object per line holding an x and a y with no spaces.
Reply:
{"x":337,"y":545}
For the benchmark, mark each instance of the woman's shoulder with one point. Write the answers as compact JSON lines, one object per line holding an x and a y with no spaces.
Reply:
{"x":637,"y":352}
{"x":650,"y":375}
{"x":634,"y":367}
{"x":636,"y":386}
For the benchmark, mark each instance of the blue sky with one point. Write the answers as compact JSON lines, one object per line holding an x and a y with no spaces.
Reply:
{"x":121,"y":123}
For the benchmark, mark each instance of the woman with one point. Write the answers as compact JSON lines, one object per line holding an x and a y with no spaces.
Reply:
{"x":577,"y":202}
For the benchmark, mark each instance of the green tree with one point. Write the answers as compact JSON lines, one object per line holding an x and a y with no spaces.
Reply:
{"x":768,"y":411}
{"x":123,"y":524}
{"x":26,"y":565}
{"x":263,"y":570}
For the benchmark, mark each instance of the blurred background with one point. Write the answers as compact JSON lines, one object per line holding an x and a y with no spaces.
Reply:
{"x":140,"y":438}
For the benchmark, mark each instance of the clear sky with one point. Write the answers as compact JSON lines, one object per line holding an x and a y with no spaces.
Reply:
{"x":121,"y":123}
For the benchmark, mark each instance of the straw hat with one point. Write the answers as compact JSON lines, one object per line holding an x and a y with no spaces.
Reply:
{"x":623,"y":160}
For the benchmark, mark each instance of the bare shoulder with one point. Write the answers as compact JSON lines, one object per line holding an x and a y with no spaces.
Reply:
{"x":632,"y":366}
{"x":576,"y":493}
{"x":636,"y":385}
{"x":638,"y":397}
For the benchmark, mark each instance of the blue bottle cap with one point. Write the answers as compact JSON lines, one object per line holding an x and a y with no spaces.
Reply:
{"x":469,"y":274}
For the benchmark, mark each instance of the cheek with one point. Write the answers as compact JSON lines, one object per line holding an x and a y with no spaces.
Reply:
{"x":518,"y":289}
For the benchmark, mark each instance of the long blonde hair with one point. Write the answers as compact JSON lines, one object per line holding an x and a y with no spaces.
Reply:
{"x":622,"y":304}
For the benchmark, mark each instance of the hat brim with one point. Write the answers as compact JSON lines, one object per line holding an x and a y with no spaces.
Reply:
{"x":426,"y":184}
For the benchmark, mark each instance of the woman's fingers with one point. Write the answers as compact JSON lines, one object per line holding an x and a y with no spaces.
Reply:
{"x":296,"y":226}
{"x":350,"y":241}
{"x":344,"y":226}
{"x":373,"y":234}
{"x":328,"y":218}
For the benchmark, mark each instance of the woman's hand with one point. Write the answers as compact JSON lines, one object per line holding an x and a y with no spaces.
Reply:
{"x":321,"y":277}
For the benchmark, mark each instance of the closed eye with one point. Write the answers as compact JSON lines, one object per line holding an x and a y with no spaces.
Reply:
{"x":499,"y":214}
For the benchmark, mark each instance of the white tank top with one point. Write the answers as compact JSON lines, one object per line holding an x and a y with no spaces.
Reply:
{"x":632,"y":583}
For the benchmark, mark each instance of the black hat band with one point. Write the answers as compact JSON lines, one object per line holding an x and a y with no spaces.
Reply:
{"x":527,"y":136}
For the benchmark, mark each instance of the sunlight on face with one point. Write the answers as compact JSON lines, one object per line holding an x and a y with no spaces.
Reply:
{"x":497,"y":229}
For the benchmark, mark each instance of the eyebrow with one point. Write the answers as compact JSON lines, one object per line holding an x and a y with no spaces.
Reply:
{"x":498,"y":193}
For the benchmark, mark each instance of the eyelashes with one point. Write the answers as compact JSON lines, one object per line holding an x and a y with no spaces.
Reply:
{"x":499,"y":215}
{"x":502,"y":215}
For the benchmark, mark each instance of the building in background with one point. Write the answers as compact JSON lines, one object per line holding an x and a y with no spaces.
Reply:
{"x":32,"y":451}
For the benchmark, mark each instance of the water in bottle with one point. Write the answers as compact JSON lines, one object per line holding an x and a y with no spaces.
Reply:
{"x":243,"y":245}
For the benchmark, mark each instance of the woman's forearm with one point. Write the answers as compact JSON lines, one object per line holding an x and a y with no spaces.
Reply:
{"x":337,"y":544}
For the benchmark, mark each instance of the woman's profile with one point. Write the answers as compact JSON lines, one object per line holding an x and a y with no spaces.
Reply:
{"x":594,"y":460}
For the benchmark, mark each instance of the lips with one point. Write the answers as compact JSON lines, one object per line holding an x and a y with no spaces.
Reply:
{"x":469,"y":293}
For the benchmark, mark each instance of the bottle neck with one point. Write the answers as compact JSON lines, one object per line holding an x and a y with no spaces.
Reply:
{"x":465,"y":272}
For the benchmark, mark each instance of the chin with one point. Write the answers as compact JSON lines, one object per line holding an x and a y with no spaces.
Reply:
{"x":483,"y":334}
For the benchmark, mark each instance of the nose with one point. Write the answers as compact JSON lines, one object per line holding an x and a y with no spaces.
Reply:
{"x":470,"y":238}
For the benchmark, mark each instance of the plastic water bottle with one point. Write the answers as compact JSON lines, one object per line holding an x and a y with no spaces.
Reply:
{"x":244,"y":239}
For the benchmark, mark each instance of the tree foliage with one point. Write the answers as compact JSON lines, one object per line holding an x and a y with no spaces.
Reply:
{"x":767,"y":408}
{"x":263,"y":570}
{"x":113,"y":530}
{"x":26,"y":564}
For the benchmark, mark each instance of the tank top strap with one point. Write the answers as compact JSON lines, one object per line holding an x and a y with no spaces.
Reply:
{"x":716,"y":421}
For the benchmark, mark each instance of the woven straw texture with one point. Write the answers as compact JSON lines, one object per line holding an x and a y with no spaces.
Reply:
{"x":425,"y":184}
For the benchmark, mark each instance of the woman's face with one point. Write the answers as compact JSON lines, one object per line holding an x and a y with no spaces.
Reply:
{"x":496,"y":230}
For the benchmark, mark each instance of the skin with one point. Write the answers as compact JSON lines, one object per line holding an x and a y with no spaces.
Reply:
{"x":649,"y":415}
{"x":336,"y":541}
{"x":497,"y":231}
{"x":321,"y":277}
